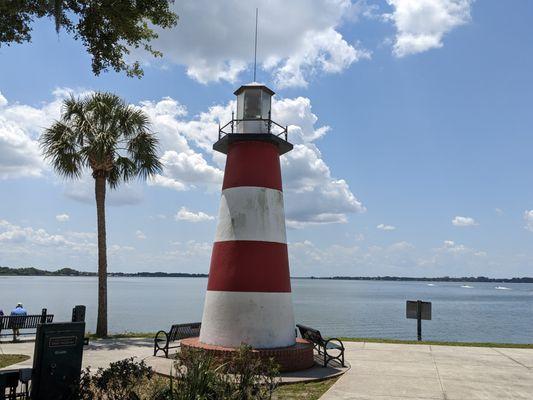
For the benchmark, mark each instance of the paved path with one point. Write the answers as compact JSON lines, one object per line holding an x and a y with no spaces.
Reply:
{"x":407,"y":372}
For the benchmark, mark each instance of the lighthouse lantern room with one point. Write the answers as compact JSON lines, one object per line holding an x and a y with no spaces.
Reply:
{"x":253,"y":108}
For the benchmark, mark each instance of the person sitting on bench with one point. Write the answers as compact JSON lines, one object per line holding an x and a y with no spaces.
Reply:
{"x":19,"y":310}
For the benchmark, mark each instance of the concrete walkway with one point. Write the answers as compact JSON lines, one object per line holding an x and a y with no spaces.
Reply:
{"x":407,"y":372}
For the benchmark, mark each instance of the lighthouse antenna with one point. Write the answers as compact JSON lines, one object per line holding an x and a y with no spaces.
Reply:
{"x":255,"y":47}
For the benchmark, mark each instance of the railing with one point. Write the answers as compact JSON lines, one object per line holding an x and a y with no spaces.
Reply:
{"x":273,"y":127}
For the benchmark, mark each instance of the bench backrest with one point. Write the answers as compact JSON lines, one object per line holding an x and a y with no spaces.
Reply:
{"x":310,"y":334}
{"x":22,"y":321}
{"x":183,"y":331}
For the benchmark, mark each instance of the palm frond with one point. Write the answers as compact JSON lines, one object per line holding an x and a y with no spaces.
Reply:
{"x":123,"y":170}
{"x":59,"y":146}
{"x":104,"y":133}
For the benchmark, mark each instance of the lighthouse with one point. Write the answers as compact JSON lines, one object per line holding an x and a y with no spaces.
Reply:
{"x":248,"y":297}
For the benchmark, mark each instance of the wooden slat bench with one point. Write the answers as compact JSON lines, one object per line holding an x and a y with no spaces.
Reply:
{"x":330,"y":349}
{"x":23,"y":322}
{"x":176,"y":332}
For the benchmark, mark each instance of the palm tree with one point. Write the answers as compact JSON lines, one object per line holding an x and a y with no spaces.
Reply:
{"x":112,"y":139}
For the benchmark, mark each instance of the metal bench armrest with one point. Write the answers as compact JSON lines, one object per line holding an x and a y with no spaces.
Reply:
{"x":157,"y":340}
{"x":341,"y":347}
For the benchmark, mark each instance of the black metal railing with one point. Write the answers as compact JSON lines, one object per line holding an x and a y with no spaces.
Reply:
{"x":272,"y":127}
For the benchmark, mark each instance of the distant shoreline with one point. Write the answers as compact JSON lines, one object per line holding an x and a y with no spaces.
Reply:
{"x":30,"y":271}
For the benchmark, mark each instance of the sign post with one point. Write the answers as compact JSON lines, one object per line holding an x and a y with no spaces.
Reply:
{"x":418,"y":310}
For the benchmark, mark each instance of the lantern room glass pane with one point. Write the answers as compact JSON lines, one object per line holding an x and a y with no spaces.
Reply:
{"x":252,"y":104}
{"x":240,"y":106}
{"x":265,"y":104}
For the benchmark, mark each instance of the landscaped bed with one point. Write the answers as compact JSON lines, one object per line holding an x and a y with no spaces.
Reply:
{"x":303,"y":391}
{"x":10,"y":359}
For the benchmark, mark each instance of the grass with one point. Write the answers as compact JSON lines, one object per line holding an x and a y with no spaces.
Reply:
{"x":437,"y":343}
{"x":9,"y":359}
{"x":124,"y":335}
{"x":303,"y":391}
{"x":347,"y":339}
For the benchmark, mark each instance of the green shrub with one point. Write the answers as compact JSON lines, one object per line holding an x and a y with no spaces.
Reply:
{"x":199,"y":376}
{"x":120,"y":381}
{"x":196,"y":376}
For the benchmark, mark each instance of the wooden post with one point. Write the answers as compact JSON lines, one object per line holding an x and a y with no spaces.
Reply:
{"x":43,"y":316}
{"x":419,"y":320}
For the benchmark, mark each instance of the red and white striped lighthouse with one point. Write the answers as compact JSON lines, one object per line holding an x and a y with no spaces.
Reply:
{"x":248,"y":297}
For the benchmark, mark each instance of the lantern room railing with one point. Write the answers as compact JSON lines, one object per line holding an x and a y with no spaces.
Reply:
{"x":273,"y":127}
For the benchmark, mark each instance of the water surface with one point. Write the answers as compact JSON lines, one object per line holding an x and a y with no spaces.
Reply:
{"x":485,"y":312}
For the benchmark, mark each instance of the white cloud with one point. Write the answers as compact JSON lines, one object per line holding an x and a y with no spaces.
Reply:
{"x":528,"y":218}
{"x":385,"y":227}
{"x":190,"y":216}
{"x":352,"y":259}
{"x":164,"y":118}
{"x":116,"y":249}
{"x":464,"y":221}
{"x":20,"y":127}
{"x":324,"y":51}
{"x":82,"y":190}
{"x":62,"y":217}
{"x":296,"y":40}
{"x":19,"y":150}
{"x":313,"y":196}
{"x":185,"y":170}
{"x":422,"y":24}
{"x":140,"y":235}
{"x":163,"y":181}
{"x":450,"y":247}
{"x":29,"y":240}
{"x":401,"y":246}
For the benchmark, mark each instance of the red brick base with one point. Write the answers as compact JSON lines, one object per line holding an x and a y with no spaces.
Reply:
{"x":293,"y":358}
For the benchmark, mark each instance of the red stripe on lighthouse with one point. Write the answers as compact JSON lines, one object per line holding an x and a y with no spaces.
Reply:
{"x":249,"y":266}
{"x":252,"y":163}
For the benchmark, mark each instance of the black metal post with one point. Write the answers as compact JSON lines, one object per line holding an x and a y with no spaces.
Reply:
{"x":232,"y":119}
{"x":43,"y":316}
{"x":419,"y":319}
{"x":78,"y":313}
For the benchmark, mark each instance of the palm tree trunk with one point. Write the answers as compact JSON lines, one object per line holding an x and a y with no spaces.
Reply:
{"x":101,"y":324}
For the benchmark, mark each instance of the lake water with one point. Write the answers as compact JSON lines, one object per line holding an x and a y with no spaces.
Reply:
{"x":482,"y":312}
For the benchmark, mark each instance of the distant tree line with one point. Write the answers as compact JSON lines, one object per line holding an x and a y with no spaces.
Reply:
{"x":425,"y":279}
{"x":30,"y":271}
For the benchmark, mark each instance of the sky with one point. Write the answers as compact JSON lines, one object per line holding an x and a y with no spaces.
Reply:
{"x":411,"y":122}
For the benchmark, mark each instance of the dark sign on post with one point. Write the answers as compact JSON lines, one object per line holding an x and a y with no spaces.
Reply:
{"x":418,"y":310}
{"x":57,"y":360}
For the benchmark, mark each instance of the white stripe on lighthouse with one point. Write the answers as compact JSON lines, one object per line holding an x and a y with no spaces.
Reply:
{"x":262,"y":320}
{"x":251,"y":213}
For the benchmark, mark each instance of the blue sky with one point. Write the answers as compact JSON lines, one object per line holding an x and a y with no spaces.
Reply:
{"x":411,"y":122}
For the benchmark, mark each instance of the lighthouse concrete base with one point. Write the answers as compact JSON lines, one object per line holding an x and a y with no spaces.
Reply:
{"x":292,"y":358}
